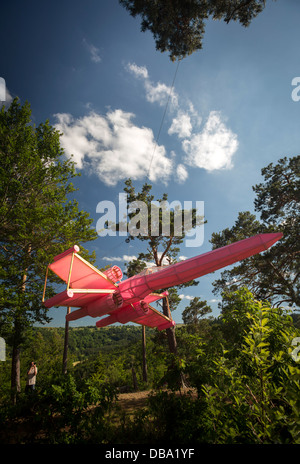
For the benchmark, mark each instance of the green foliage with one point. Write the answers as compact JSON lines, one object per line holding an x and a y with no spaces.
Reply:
{"x":274,"y":274}
{"x":163,"y":245}
{"x":38,"y":221}
{"x":178,"y":27}
{"x":61,"y":413}
{"x":252,"y":395}
{"x":244,"y":384}
{"x":194,"y":311}
{"x":156,"y":222}
{"x":176,"y":418}
{"x":163,"y":234}
{"x":248,"y":395}
{"x":46,"y":349}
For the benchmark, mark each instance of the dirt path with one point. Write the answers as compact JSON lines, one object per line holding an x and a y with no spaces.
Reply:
{"x":136,"y":400}
{"x":132,"y":401}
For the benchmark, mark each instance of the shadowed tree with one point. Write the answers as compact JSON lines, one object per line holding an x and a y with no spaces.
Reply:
{"x":179,"y":26}
{"x":193,"y":313}
{"x":274,"y":274}
{"x":147,"y":216}
{"x":163,"y":245}
{"x":38,"y":221}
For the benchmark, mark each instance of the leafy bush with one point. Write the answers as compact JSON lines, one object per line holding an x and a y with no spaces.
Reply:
{"x":63,"y":412}
{"x":245,"y":388}
{"x":249,"y":392}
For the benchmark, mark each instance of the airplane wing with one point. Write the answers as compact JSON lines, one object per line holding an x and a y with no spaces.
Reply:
{"x":85,"y":283}
{"x":140,"y":313}
{"x":156,"y":320}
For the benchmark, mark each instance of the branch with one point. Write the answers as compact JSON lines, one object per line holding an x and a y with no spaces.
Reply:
{"x":166,"y":250}
{"x":237,"y":8}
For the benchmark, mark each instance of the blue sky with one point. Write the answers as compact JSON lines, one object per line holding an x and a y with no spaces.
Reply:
{"x":87,"y":68}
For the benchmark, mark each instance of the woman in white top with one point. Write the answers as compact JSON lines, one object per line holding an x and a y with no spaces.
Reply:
{"x":31,"y":377}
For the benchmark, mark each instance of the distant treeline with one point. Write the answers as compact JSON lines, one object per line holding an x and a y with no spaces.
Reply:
{"x":89,"y":341}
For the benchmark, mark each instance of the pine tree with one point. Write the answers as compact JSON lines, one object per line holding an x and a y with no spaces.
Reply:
{"x":178,"y":26}
{"x":197,"y":308}
{"x":37,"y":221}
{"x":162,"y":248}
{"x":274,"y":274}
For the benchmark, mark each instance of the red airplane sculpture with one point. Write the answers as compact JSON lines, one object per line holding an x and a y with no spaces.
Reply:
{"x":98,"y":293}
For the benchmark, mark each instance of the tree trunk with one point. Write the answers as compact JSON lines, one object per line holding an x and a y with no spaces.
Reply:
{"x":66,"y":345}
{"x":145,"y":370}
{"x":134,"y":379}
{"x":170,"y":332}
{"x":15,"y":369}
{"x":173,"y":343}
{"x":15,"y":362}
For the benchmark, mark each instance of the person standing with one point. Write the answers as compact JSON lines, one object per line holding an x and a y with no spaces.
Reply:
{"x":31,"y":377}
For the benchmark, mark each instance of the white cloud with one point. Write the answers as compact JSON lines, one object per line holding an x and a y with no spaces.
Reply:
{"x":138,"y":71}
{"x":210,"y":148}
{"x":165,"y":261}
{"x":129,"y":258}
{"x":5,"y":96}
{"x":186,"y":297}
{"x":113,"y":147}
{"x":181,"y":173}
{"x":123,"y":258}
{"x":93,"y":51}
{"x":194,"y":115}
{"x":2,"y":89}
{"x":155,"y":93}
{"x":161,"y":93}
{"x":112,"y":258}
{"x":181,"y":125}
{"x":213,"y":147}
